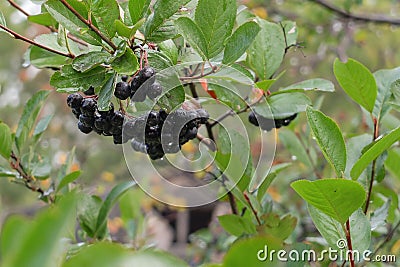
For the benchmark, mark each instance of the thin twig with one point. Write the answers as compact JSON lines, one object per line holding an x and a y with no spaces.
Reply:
{"x":16,"y":6}
{"x":26,"y":178}
{"x":371,"y":182}
{"x":27,"y":40}
{"x":214,"y":69}
{"x":252,"y":209}
{"x":89,"y":24}
{"x":349,"y":244}
{"x":374,"y":18}
{"x":52,"y":29}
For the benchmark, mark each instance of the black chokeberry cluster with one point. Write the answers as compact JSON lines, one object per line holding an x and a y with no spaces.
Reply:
{"x":268,"y":124}
{"x":146,"y":76}
{"x":107,"y":123}
{"x":157,"y":133}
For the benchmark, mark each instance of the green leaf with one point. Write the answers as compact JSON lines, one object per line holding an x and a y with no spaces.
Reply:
{"x":40,"y":168}
{"x":329,"y":139}
{"x":169,"y":48}
{"x":392,"y":161}
{"x":313,"y":84}
{"x":295,"y":147}
{"x":163,"y":10}
{"x":66,"y":180}
{"x":6,"y":173}
{"x":357,"y":81}
{"x":105,"y":254}
{"x":266,"y":53}
{"x":88,"y":211}
{"x":109,"y":202}
{"x":42,"y":125}
{"x":3,"y":22}
{"x":379,"y":216}
{"x":29,"y":116}
{"x":193,"y":35}
{"x":89,"y":61}
{"x":291,"y":32}
{"x":128,"y":31}
{"x":240,"y":40}
{"x":13,"y":234}
{"x":41,"y":58}
{"x":126,"y":64}
{"x":237,"y":225}
{"x":281,"y":228}
{"x":106,"y":12}
{"x":337,"y":198}
{"x":50,"y":40}
{"x":166,"y":31}
{"x":333,"y":232}
{"x":386,"y":82}
{"x":159,"y":60}
{"x":375,"y":151}
{"x":71,"y":22}
{"x":215,"y":19}
{"x":264,"y":183}
{"x":227,"y":97}
{"x":355,"y":146}
{"x":138,"y":9}
{"x":106,"y":92}
{"x":44,"y":19}
{"x":265,"y":85}
{"x":69,"y":80}
{"x":41,"y":245}
{"x":244,"y":252}
{"x":5,"y":141}
{"x":283,"y":105}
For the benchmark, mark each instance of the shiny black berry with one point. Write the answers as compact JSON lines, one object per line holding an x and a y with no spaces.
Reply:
{"x":76,"y":112}
{"x":146,"y":73}
{"x":154,"y":90}
{"x":88,"y":121}
{"x":84,"y":129}
{"x":253,"y":119}
{"x":74,"y":100}
{"x":122,"y":90}
{"x":117,"y":119}
{"x":89,"y":106}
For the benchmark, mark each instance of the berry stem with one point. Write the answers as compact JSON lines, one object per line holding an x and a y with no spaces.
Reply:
{"x":89,"y":24}
{"x":29,"y":41}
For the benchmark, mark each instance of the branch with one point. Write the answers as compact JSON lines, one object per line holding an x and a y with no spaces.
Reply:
{"x":27,"y":40}
{"x":371,"y":183}
{"x":26,"y":178}
{"x":89,"y":24}
{"x":69,"y":35}
{"x":374,"y":18}
{"x":16,"y":6}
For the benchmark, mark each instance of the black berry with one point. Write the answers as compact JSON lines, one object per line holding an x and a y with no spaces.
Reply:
{"x":83,"y":128}
{"x":74,"y":100}
{"x":89,"y":106}
{"x":122,"y":90}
